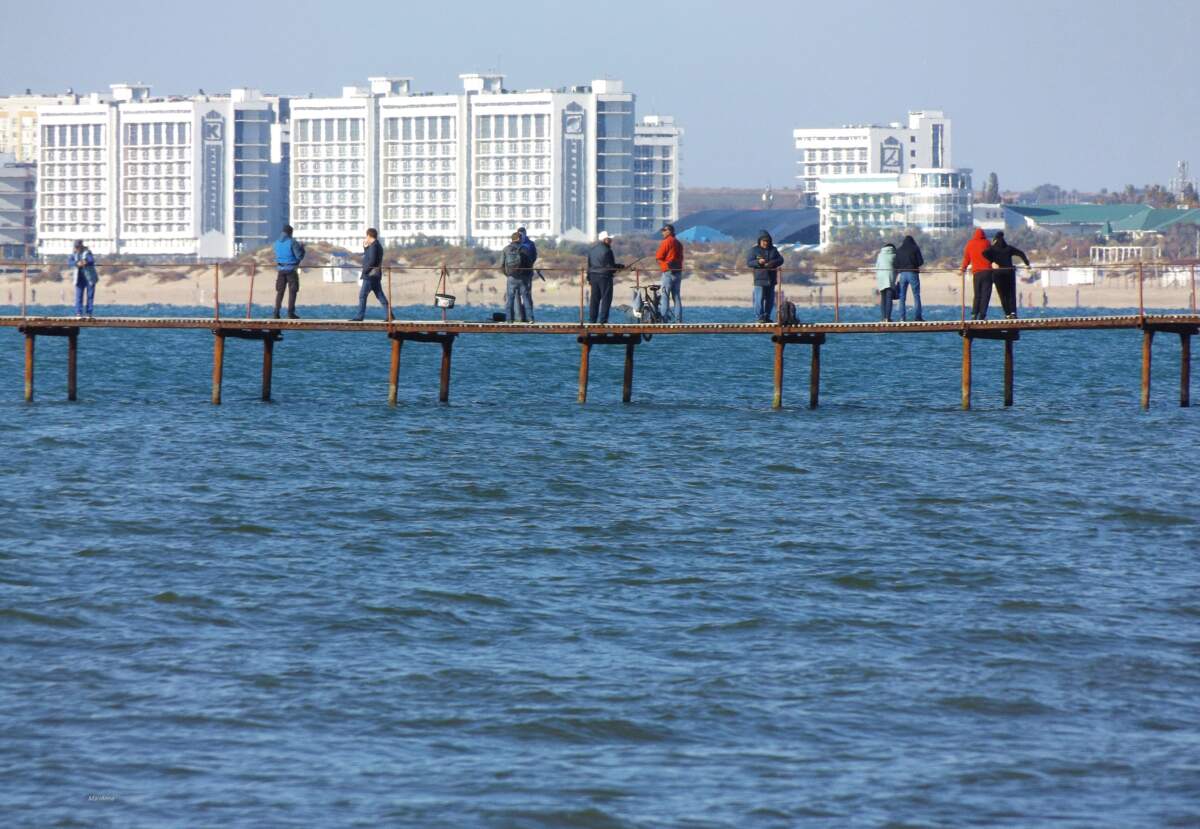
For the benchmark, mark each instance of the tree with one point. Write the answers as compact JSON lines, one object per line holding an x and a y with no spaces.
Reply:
{"x":991,"y":191}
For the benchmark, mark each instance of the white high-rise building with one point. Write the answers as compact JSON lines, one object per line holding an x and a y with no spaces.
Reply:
{"x":655,"y":173}
{"x":19,"y":122}
{"x":202,"y":176}
{"x":931,"y":200}
{"x":465,"y":167}
{"x":872,"y":150}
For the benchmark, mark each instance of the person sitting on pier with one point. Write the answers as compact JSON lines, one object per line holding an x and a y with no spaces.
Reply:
{"x":1001,"y":254}
{"x":84,"y":265}
{"x":372,"y":274}
{"x":885,"y":279}
{"x":766,"y":260}
{"x":288,"y":255}
{"x":670,"y":261}
{"x":514,"y":261}
{"x":601,"y":265}
{"x":981,"y":273}
{"x":908,"y":268}
{"x":525,"y":293}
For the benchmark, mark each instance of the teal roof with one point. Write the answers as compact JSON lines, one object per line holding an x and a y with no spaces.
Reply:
{"x":1157,"y":220}
{"x":1079,"y":214}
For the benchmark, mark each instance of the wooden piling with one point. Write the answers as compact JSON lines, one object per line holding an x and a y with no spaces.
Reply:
{"x":966,"y":371}
{"x":29,"y":340}
{"x":394,"y":371}
{"x":218,"y":365}
{"x":585,"y":351}
{"x":1185,"y":370}
{"x":627,"y":386}
{"x":814,"y":377}
{"x":1008,"y":372}
{"x":444,"y":391}
{"x":777,"y":399}
{"x":72,"y":354}
{"x":268,"y":357}
{"x":1147,"y":339}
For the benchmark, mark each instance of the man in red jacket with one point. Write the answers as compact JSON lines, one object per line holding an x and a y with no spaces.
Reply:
{"x":981,"y":273}
{"x":670,"y":262}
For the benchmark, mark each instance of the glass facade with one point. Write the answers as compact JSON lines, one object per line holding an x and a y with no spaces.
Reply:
{"x":252,"y":176}
{"x":614,"y":166}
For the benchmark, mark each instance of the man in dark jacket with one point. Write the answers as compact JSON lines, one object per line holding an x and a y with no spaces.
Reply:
{"x":514,"y":261}
{"x":765,"y":260}
{"x":525,"y":287}
{"x":1004,"y":276}
{"x":601,"y":265}
{"x":372,"y":274}
{"x":288,"y":255}
{"x":908,"y":264}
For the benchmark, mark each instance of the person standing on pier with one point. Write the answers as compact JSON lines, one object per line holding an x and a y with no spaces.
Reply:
{"x":1001,"y":254}
{"x":766,"y":261}
{"x":670,"y":261}
{"x":288,"y":255}
{"x":601,"y":265}
{"x":525,"y":293}
{"x":908,"y":267}
{"x":981,"y":273}
{"x":372,"y":274}
{"x":514,"y":261}
{"x":84,"y":265}
{"x":885,"y":279}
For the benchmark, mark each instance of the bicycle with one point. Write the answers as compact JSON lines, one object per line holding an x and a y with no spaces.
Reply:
{"x":649,"y":312}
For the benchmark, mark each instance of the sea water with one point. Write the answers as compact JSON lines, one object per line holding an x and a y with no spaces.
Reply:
{"x":516,"y":611}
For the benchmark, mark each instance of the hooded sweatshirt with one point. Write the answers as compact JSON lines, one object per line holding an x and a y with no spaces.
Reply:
{"x":884,"y":270}
{"x":973,"y":253}
{"x":1002,"y":254}
{"x":766,"y":273}
{"x":908,"y":257}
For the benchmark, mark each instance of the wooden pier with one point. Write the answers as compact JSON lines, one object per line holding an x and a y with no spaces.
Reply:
{"x":443,"y":332}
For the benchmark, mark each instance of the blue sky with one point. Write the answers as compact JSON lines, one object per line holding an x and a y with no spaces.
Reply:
{"x":1083,"y":94}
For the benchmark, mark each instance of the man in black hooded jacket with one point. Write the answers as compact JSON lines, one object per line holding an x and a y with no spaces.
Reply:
{"x":1004,"y":275}
{"x":765,"y":260}
{"x":908,"y":264}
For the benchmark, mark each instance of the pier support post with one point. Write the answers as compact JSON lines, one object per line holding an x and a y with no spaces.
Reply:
{"x":444,"y":390}
{"x":627,"y":385}
{"x":814,"y":377}
{"x":1185,"y":370}
{"x":72,"y":355}
{"x":777,"y":398}
{"x":394,"y":371}
{"x":966,"y":371}
{"x":268,"y":356}
{"x":1147,"y":339}
{"x":218,"y":366}
{"x":1008,"y":372}
{"x":585,"y":351}
{"x":30,"y":337}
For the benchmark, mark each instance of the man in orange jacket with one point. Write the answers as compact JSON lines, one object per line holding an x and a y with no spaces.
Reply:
{"x":981,"y":273}
{"x":670,"y":262}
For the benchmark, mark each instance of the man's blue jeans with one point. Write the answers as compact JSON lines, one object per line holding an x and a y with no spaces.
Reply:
{"x":512,"y":286}
{"x":670,"y":288}
{"x":370,"y":285}
{"x":525,"y":297}
{"x":82,"y":286}
{"x":910,"y":279}
{"x":764,"y":302}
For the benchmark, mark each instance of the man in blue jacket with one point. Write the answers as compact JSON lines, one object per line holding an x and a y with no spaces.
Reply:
{"x":525,"y":286}
{"x":288,"y":255}
{"x":765,"y":260}
{"x":372,"y":274}
{"x":601,"y":265}
{"x":84,"y":265}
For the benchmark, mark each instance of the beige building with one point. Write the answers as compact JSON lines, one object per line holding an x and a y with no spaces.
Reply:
{"x":19,"y":123}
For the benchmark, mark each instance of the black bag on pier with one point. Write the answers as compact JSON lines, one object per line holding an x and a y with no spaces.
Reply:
{"x":787,"y":313}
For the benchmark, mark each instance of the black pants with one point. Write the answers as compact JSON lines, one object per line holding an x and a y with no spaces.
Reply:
{"x":983,"y":294}
{"x":289,"y":281}
{"x":602,"y":291}
{"x":1005,"y":281}
{"x":885,"y":303}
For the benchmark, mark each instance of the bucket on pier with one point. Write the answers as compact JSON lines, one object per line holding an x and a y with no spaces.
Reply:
{"x":443,"y":300}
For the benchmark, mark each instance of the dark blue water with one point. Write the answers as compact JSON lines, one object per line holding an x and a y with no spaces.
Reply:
{"x":515,"y":611}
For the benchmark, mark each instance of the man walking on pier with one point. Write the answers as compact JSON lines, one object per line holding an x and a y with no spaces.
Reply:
{"x":372,"y":274}
{"x":601,"y":265}
{"x":981,"y":273}
{"x":766,"y":260}
{"x":908,"y":264}
{"x":670,"y":262}
{"x":288,"y":255}
{"x":1001,"y":254}
{"x":514,"y":261}
{"x":84,"y":265}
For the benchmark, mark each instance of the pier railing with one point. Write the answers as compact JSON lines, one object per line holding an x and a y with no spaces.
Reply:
{"x":820,"y":286}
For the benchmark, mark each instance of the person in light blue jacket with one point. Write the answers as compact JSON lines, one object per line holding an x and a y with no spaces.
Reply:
{"x":885,"y":279}
{"x":84,"y":265}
